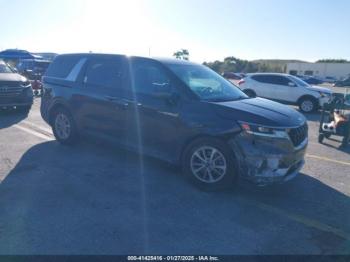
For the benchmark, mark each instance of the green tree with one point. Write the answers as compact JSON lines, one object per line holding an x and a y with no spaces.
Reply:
{"x":183,"y":54}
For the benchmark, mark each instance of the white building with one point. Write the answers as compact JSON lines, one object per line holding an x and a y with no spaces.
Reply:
{"x":322,"y":70}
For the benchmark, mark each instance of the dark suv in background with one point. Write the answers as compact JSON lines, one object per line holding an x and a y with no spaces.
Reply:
{"x":15,"y":90}
{"x":177,"y":111}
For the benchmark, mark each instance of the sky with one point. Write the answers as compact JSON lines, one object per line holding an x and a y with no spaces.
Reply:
{"x":211,"y":30}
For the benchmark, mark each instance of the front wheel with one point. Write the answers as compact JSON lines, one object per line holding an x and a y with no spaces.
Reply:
{"x":308,"y":105}
{"x":210,"y":164}
{"x":63,"y":127}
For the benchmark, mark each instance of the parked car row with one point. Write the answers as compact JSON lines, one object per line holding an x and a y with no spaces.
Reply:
{"x":342,"y":83}
{"x":32,"y":67}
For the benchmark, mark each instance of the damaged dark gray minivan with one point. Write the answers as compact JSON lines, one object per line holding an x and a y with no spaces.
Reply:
{"x":177,"y":111}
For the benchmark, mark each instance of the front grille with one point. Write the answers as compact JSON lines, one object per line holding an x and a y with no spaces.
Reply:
{"x":9,"y":84}
{"x":298,"y":135}
{"x":10,"y":91}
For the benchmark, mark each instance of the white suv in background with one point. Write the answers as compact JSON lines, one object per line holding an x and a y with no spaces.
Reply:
{"x":286,"y":89}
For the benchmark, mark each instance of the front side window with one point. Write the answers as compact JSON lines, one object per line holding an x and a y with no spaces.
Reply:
{"x":298,"y":81}
{"x":206,"y":84}
{"x":281,"y":80}
{"x":149,"y":78}
{"x":105,"y":73}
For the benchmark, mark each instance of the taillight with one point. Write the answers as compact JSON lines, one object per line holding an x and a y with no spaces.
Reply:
{"x":241,"y":82}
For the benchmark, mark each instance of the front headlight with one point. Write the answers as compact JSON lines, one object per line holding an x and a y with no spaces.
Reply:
{"x":26,"y":84}
{"x":259,"y":130}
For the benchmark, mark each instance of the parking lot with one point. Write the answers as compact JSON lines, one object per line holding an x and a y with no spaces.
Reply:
{"x":96,"y":199}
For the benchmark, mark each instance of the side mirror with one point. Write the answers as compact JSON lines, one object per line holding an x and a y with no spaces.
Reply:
{"x":291,"y":84}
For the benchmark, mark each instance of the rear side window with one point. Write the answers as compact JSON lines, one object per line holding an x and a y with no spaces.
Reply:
{"x":62,"y":66}
{"x":271,"y":79}
{"x":107,"y":73}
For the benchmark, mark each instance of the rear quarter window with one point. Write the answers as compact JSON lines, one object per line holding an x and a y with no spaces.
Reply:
{"x":62,"y":66}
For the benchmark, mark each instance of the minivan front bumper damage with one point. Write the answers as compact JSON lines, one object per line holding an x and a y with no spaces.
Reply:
{"x":265,"y":161}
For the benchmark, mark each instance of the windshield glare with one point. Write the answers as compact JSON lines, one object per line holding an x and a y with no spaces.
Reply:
{"x":4,"y":68}
{"x":206,"y":84}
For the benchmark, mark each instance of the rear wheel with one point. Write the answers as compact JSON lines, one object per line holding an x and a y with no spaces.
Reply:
{"x":63,"y":127}
{"x":210,"y":164}
{"x":308,"y":104}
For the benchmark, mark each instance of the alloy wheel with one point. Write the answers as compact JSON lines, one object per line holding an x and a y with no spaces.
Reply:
{"x":208,"y":164}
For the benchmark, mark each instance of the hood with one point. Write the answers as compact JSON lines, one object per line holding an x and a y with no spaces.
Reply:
{"x":260,"y":111}
{"x":11,"y":80}
{"x":320,"y":89}
{"x":12,"y":77}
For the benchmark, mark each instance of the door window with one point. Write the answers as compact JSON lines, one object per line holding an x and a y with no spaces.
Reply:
{"x":281,"y":80}
{"x":105,"y":73}
{"x":149,"y":78}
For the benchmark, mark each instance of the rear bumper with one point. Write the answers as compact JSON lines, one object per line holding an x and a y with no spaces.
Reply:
{"x":268,"y":161}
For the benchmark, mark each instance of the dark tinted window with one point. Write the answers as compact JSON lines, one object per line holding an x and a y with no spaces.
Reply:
{"x":309,"y":72}
{"x":106,"y":73}
{"x":272,"y":79}
{"x":149,"y":77}
{"x":62,"y":66}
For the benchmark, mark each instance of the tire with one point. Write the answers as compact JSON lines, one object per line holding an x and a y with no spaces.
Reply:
{"x":64,"y":127}
{"x":197,"y":156}
{"x":327,"y":135}
{"x":250,"y":93}
{"x":308,"y":105}
{"x":320,"y":138}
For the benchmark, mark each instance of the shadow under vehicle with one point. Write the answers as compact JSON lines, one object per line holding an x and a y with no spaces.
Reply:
{"x":99,"y":200}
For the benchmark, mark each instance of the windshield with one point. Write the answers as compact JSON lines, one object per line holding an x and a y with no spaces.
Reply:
{"x":4,"y":68}
{"x":207,"y":84}
{"x":299,"y":82}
